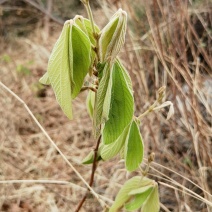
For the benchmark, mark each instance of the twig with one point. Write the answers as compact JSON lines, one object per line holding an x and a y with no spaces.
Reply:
{"x":94,"y":166}
{"x":53,"y":143}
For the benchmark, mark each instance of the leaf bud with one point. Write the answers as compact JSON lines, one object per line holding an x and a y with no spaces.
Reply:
{"x":112,"y":36}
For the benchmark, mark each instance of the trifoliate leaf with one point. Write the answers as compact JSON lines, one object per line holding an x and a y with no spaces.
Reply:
{"x":123,"y":195}
{"x":121,"y":105}
{"x":138,"y":200}
{"x":133,"y":148}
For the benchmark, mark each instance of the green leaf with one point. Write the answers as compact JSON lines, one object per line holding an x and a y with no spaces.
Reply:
{"x":121,"y":105}
{"x":123,"y":195}
{"x":85,"y":25}
{"x":60,"y":71}
{"x":126,"y":76}
{"x":68,"y":65}
{"x":138,"y":200}
{"x":111,"y":150}
{"x":134,"y":149}
{"x":112,"y":37}
{"x":152,"y":203}
{"x":90,"y":102}
{"x":45,"y":79}
{"x":101,"y":93}
{"x":142,"y":189}
{"x":81,"y":58}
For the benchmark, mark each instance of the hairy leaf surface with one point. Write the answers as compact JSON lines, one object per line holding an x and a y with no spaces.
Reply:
{"x":68,"y":64}
{"x":121,"y":105}
{"x":123,"y":195}
{"x":133,"y":148}
{"x":101,"y":93}
{"x":81,"y":58}
{"x":152,"y":203}
{"x":111,"y":150}
{"x":60,"y":70}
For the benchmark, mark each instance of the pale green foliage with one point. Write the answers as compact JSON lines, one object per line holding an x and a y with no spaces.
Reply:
{"x":90,"y":103}
{"x":85,"y":25}
{"x":131,"y":141}
{"x":45,"y":79}
{"x":59,"y":71}
{"x":81,"y":58}
{"x":121,"y":106}
{"x":137,"y":192}
{"x":112,"y":36}
{"x":80,"y":51}
{"x":133,"y":152}
{"x":111,"y":150}
{"x":68,"y":65}
{"x":100,"y":98}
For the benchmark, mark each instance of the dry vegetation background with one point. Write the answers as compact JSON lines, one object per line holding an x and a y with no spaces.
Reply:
{"x":168,"y":43}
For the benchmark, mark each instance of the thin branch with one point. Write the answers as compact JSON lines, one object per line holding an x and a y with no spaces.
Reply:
{"x":53,"y":143}
{"x":94,"y":166}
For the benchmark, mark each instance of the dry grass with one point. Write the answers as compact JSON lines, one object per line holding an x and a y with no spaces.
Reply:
{"x":168,"y":43}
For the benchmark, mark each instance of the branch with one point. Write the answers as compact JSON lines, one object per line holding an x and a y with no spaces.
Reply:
{"x":94,"y":166}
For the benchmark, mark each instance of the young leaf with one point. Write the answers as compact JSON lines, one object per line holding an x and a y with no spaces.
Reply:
{"x":112,"y":37}
{"x":66,"y":70}
{"x":133,"y":148}
{"x":85,"y":25}
{"x":123,"y":195}
{"x":59,"y":71}
{"x":138,"y":200}
{"x":121,"y":105}
{"x":45,"y":79}
{"x":81,"y":58}
{"x":152,"y":203}
{"x":111,"y":150}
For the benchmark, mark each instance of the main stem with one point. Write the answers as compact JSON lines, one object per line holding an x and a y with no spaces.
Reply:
{"x":94,"y":166}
